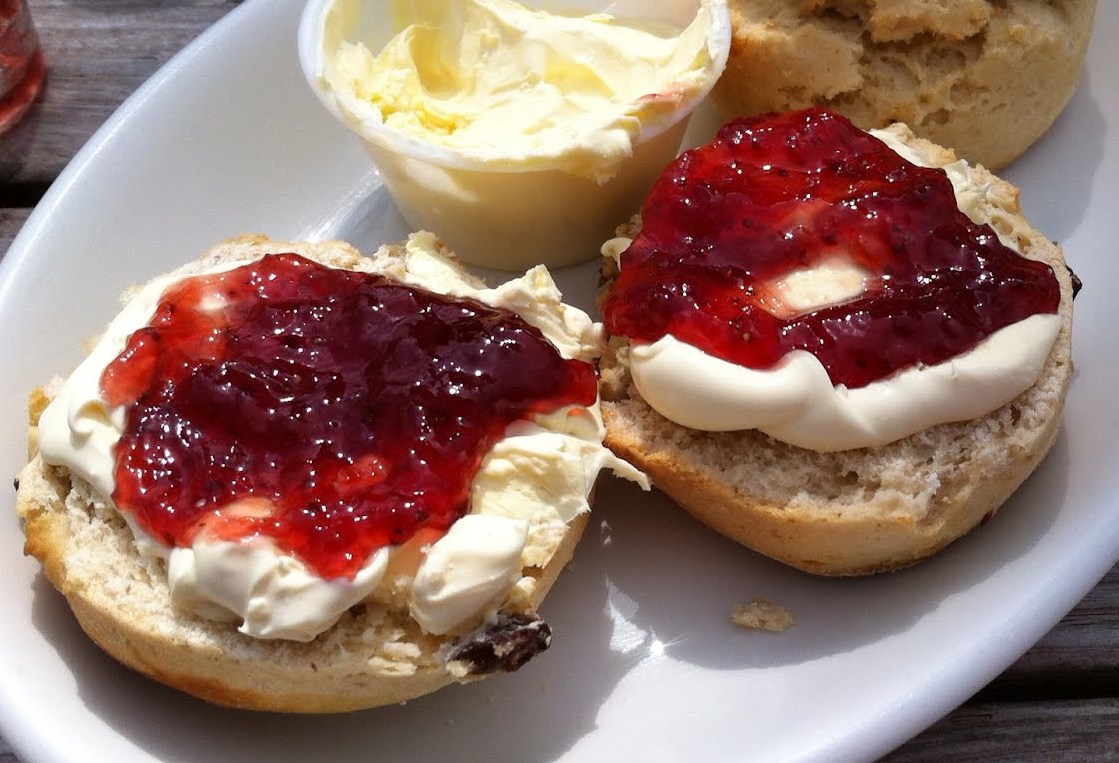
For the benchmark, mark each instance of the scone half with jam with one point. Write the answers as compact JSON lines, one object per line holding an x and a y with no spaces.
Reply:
{"x":291,"y":477}
{"x":844,"y":350}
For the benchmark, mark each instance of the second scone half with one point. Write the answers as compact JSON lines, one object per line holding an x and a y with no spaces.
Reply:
{"x":858,"y":474}
{"x":986,"y":78}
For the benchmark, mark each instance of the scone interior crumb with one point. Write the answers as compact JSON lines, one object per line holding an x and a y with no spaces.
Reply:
{"x":763,"y":615}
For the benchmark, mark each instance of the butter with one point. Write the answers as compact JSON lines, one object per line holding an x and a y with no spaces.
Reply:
{"x":467,"y":570}
{"x":274,"y":594}
{"x":796,"y":402}
{"x":531,"y":484}
{"x":496,"y":80}
{"x":833,"y":281}
{"x":518,"y":133}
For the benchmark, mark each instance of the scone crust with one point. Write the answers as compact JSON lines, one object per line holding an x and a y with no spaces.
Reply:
{"x":370,"y":657}
{"x":866,"y":510}
{"x":985,"y":78}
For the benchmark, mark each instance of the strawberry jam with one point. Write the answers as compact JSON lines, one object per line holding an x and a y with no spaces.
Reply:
{"x":779,"y":193}
{"x":333,"y":411}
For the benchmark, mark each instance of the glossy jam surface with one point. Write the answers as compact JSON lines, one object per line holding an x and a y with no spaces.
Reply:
{"x":775,"y":194}
{"x":336,"y":412}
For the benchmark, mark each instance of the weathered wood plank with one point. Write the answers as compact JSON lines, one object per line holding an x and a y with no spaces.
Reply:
{"x":1059,"y":702}
{"x":98,"y":52}
{"x":1077,"y":659}
{"x":11,"y":220}
{"x":1052,"y":732}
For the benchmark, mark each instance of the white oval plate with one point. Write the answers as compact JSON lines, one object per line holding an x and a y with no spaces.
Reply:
{"x":227,"y":139}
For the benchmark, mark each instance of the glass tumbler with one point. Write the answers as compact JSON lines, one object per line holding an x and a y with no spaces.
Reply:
{"x":21,"y":62}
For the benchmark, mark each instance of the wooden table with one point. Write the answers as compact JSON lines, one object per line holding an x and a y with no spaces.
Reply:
{"x":1060,"y":702}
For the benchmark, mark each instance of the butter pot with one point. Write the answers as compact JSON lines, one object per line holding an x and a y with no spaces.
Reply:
{"x":503,"y":206}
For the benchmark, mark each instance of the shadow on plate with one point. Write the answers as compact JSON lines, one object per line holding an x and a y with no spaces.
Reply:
{"x":1056,"y":175}
{"x":676,"y":582}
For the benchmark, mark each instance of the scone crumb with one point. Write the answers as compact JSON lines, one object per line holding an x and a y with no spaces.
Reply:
{"x":762,"y":615}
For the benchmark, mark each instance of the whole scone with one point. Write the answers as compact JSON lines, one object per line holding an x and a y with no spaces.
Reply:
{"x":860,"y":510}
{"x":373,"y":651}
{"x":984,"y":78}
